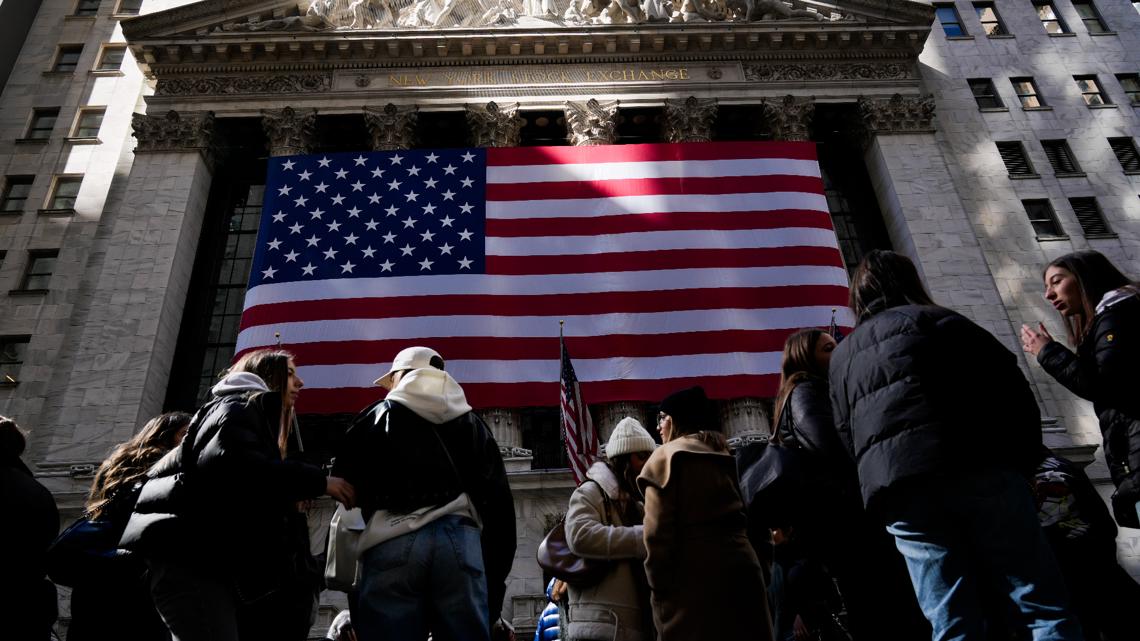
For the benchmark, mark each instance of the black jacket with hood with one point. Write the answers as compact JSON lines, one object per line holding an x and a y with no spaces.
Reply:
{"x":422,"y":447}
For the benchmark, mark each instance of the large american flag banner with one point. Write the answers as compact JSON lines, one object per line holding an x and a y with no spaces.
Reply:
{"x":672,"y":265}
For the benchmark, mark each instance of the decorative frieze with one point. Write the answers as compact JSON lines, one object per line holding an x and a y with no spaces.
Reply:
{"x":591,"y":122}
{"x":392,"y":127}
{"x":800,"y":72}
{"x":898,"y":115}
{"x":789,"y":119}
{"x":493,"y":125}
{"x":174,"y":131}
{"x":290,"y":131}
{"x":689,"y":120}
{"x":239,"y":85}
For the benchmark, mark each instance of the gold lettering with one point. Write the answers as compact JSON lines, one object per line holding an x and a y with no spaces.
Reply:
{"x":398,"y":81}
{"x":671,"y":74}
{"x":684,"y":73}
{"x":421,"y":81}
{"x":642,"y":75}
{"x":656,"y":74}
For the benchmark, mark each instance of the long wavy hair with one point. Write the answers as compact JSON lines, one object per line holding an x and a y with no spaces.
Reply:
{"x":1096,"y":276}
{"x":798,"y":363}
{"x":272,"y":366}
{"x":130,"y":461}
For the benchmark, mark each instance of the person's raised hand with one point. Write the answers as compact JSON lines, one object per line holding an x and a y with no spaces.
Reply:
{"x":1033,"y":340}
{"x":341,"y":490}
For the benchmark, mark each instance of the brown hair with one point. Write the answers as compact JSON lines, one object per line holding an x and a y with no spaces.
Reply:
{"x":1095,"y":276}
{"x":712,"y":437}
{"x":885,"y":279}
{"x":628,"y":495}
{"x":130,"y":461}
{"x":12,"y":439}
{"x":798,"y":363}
{"x":272,"y":366}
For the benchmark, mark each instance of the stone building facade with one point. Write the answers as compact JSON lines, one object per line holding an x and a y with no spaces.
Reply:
{"x":133,"y":150}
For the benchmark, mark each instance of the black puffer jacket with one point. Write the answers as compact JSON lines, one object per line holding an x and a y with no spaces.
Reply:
{"x":1106,"y":371}
{"x":919,"y":390}
{"x":233,"y":508}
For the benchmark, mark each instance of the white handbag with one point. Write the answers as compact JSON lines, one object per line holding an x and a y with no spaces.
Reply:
{"x":342,"y":569}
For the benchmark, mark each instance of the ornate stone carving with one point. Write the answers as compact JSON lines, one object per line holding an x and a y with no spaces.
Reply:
{"x":506,"y":426}
{"x":742,"y":417}
{"x":898,"y":115}
{"x":689,"y":120}
{"x":609,"y":414}
{"x":308,"y":22}
{"x":392,"y":127}
{"x":758,"y":72}
{"x":233,"y":85}
{"x":493,"y":125}
{"x":789,"y":119}
{"x":173,"y":131}
{"x":289,"y":131}
{"x":591,"y":122}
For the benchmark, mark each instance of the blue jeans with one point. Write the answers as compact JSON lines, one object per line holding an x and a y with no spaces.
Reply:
{"x":428,"y":580}
{"x":962,"y":534}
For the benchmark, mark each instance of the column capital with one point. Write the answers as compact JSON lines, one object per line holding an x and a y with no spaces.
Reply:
{"x":591,"y":122}
{"x":494,"y":125}
{"x":174,"y":131}
{"x":689,"y":120}
{"x":745,"y":420}
{"x":290,"y":131}
{"x":790,"y":119}
{"x":392,"y":126}
{"x":897,"y":115}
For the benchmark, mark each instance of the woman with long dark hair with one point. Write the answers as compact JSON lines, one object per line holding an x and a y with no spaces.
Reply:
{"x":120,"y":606}
{"x":702,"y":569}
{"x":604,"y":521}
{"x":218,"y":520}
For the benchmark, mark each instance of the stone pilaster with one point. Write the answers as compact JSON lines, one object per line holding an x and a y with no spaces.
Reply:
{"x":591,"y":122}
{"x":609,"y":414}
{"x":789,"y":119}
{"x":689,"y":120}
{"x":175,"y":132}
{"x":745,"y":419}
{"x":289,"y":131}
{"x":392,"y":127}
{"x":494,"y":125}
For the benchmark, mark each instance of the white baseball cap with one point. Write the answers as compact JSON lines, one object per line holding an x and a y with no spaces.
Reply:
{"x":410,"y":358}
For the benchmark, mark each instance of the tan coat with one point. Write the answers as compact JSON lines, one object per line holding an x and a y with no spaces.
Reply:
{"x":705,"y":578}
{"x":612,"y":609}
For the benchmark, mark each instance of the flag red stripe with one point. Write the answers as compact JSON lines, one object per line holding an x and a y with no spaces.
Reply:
{"x":653,"y":186}
{"x":664,"y":259}
{"x":546,"y":305}
{"x":663,"y":221}
{"x":488,"y":395}
{"x":506,"y":156}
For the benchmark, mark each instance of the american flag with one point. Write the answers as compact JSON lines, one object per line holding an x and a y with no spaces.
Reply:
{"x":672,"y":264}
{"x":577,"y":425}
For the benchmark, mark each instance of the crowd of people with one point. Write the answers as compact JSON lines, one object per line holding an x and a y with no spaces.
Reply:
{"x":905,"y":494}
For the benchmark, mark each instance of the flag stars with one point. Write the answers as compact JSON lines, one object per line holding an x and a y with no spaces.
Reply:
{"x":392,"y":210}
{"x":288,"y":165}
{"x":449,"y":195}
{"x":346,"y":268}
{"x":368,"y":251}
{"x":268,"y":273}
{"x":317,"y":213}
{"x":371,"y":225}
{"x":309,"y":269}
{"x":296,"y":228}
{"x":413,"y":171}
{"x":330,"y":254}
{"x":411,"y":196}
{"x":360,"y":160}
{"x":374,"y":199}
{"x":466,"y":208}
{"x":304,"y":175}
{"x":358,"y":186}
{"x":291,"y":257}
{"x":445,"y":249}
{"x":409,"y":222}
{"x":390,"y":238}
{"x":354,"y":212}
{"x":430,"y":183}
{"x":338,"y":200}
{"x":378,"y":172}
{"x":312,"y":240}
{"x":394,"y":185}
{"x":431,"y":158}
{"x":449,"y":170}
{"x":274,"y":244}
{"x":407,"y":249}
{"x":284,"y":190}
{"x":446,"y":221}
{"x":465,"y":263}
{"x":300,"y":202}
{"x":321,"y":188}
{"x":324,"y":162}
{"x":386,"y":266}
{"x":350,"y":239}
{"x":279,"y":217}
{"x":465,"y":235}
{"x":426,"y":264}
{"x":334,"y":226}
{"x":469,"y":157}
{"x":429,"y":208}
{"x":397,"y":159}
{"x":341,"y":174}
{"x":467,"y":182}
{"x":427,"y":236}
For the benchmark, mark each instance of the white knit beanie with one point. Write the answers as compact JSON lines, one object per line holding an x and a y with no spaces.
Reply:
{"x":629,"y":436}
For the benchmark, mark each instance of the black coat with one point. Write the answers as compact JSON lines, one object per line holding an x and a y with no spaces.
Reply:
{"x":232,"y":510}
{"x":31,"y":522}
{"x":1106,"y":371}
{"x":920,"y":391}
{"x":392,"y":457}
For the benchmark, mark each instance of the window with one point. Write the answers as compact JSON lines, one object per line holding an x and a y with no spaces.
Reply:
{"x":1130,"y":83}
{"x":16,"y":190}
{"x":1042,"y":218}
{"x":67,"y":58}
{"x":13,"y":351}
{"x":1090,"y":16}
{"x":1061,"y":157}
{"x":41,"y":263}
{"x":42,"y":124}
{"x":985,"y":93}
{"x":1089,"y":217}
{"x":111,"y":58}
{"x":128,"y":7}
{"x":1091,"y":91}
{"x":1126,"y":154}
{"x":87,"y":8}
{"x":1047,"y":13}
{"x":1026,"y":90}
{"x":64,"y":191}
{"x":991,"y":21}
{"x":951,"y":21}
{"x":87,"y":124}
{"x":1016,"y":162}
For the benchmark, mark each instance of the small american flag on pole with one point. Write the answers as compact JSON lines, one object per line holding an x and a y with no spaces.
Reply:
{"x":577,"y":426}
{"x":672,"y":264}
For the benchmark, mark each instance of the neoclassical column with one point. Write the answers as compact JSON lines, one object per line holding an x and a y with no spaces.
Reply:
{"x":897,"y":115}
{"x":392,"y":127}
{"x":290,"y":131}
{"x":506,"y":427}
{"x":746,"y":419}
{"x":494,"y":125}
{"x":689,"y":120}
{"x":175,"y":132}
{"x":790,"y":119}
{"x":610,"y":414}
{"x":591,"y":122}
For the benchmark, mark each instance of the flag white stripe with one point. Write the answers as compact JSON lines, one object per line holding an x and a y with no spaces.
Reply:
{"x":654,"y":203}
{"x":495,"y":284}
{"x":658,"y":240}
{"x":541,"y":326}
{"x":600,"y":172}
{"x":546,"y":370}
